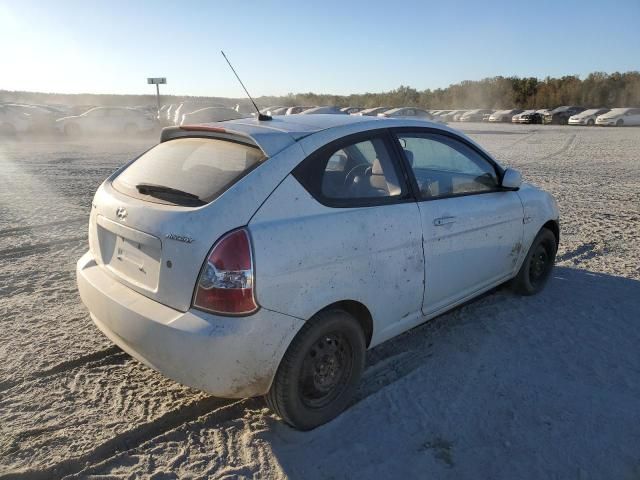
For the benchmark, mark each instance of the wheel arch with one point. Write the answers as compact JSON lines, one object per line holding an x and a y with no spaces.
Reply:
{"x":359,"y":311}
{"x":555,"y":229}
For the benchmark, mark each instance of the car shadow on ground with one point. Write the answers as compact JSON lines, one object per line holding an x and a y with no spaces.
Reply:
{"x":503,"y":387}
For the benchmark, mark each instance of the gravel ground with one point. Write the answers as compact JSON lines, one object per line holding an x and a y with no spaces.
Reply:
{"x":504,"y":387}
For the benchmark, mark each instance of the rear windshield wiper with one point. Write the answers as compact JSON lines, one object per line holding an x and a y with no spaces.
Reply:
{"x":162,"y":190}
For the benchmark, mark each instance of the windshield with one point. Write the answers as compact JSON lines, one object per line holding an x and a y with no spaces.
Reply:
{"x":201,"y":167}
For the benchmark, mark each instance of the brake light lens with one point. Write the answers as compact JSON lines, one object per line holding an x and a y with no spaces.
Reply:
{"x":225,"y":284}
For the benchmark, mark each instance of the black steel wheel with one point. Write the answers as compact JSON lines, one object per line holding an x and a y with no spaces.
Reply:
{"x":318,"y":375}
{"x":538,"y":264}
{"x":325,"y":370}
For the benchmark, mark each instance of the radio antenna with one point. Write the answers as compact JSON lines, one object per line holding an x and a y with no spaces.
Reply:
{"x":261,"y":116}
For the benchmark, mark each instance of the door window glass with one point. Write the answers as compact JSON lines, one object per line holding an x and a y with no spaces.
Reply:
{"x":444,"y":166}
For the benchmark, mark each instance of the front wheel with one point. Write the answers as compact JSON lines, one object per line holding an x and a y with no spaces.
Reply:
{"x":590,"y":122}
{"x":538,"y":264}
{"x":619,"y":123}
{"x":320,"y":370}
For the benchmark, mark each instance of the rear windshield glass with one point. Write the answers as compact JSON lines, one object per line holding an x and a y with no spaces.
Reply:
{"x":187,"y":169}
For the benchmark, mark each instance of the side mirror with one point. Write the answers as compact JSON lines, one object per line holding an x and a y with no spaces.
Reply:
{"x":512,"y":179}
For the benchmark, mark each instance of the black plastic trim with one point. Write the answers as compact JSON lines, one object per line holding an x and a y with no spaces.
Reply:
{"x":309,"y":172}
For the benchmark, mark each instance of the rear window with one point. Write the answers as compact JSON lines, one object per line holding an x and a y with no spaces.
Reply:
{"x":178,"y":171}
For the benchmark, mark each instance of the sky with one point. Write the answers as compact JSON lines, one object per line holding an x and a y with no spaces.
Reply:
{"x":280,"y":47}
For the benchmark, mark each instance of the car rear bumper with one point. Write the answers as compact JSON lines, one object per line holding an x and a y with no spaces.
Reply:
{"x":230,"y":357}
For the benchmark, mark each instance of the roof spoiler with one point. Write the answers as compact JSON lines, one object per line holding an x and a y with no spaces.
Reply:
{"x":171,"y":133}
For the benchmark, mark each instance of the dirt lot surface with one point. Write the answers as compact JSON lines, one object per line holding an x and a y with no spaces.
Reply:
{"x":504,"y":387}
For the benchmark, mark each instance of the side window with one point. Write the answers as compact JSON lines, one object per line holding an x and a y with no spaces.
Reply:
{"x":444,"y":166}
{"x":358,"y":173}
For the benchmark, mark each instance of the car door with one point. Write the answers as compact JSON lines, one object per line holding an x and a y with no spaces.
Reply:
{"x":472,"y":229}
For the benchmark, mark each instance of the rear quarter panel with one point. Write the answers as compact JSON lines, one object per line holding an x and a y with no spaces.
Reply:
{"x":308,"y":256}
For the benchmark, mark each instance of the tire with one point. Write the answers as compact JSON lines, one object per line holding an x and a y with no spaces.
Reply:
{"x":7,"y":129}
{"x":319,"y":373}
{"x":620,"y":123}
{"x":590,"y":123}
{"x":538,"y":264}
{"x":72,"y":130}
{"x":131,"y":129}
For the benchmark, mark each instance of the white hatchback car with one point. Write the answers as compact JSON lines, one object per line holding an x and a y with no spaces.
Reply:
{"x":252,"y":257}
{"x":620,"y":117}
{"x":106,"y":120}
{"x":588,"y":117}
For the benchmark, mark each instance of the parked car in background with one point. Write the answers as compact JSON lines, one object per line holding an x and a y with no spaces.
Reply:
{"x":406,"y":112}
{"x":535,"y":117}
{"x":268,"y":110}
{"x":620,"y":117}
{"x":458,"y":116}
{"x":504,"y":116}
{"x":326,"y":109}
{"x":166,"y":115}
{"x":40,"y":118}
{"x":518,"y":117}
{"x":351,"y":110}
{"x":294,"y":110}
{"x":191,"y":106}
{"x":448,"y":117}
{"x":13,"y":120}
{"x":475,"y":115}
{"x":279,"y":111}
{"x":588,"y":117}
{"x":210,"y":114}
{"x":204,"y":250}
{"x":106,"y":120}
{"x":371,"y":112}
{"x":560,"y":115}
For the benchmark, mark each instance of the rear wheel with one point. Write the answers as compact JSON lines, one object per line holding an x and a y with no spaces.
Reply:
{"x":538,"y":264}
{"x":320,"y":371}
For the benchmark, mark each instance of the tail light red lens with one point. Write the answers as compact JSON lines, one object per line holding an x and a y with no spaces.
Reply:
{"x":225,"y":284}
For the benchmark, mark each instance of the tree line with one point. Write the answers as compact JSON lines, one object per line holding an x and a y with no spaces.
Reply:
{"x":598,"y":89}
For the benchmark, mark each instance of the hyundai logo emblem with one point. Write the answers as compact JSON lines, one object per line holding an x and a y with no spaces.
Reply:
{"x":121,"y":213}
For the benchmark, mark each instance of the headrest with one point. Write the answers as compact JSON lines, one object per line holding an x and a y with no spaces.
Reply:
{"x":409,"y":155}
{"x":376,"y":168}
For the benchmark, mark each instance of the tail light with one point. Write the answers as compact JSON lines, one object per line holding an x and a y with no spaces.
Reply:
{"x":225,"y":284}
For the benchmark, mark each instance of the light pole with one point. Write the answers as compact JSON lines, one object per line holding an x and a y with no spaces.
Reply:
{"x":157,"y":81}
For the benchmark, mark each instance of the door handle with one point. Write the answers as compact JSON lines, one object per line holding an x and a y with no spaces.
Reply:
{"x":438,"y":222}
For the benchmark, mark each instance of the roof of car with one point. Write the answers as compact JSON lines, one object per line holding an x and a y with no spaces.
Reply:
{"x":274,"y":135}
